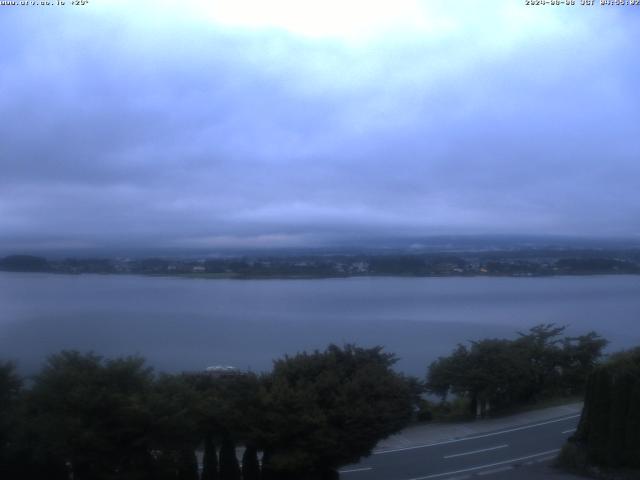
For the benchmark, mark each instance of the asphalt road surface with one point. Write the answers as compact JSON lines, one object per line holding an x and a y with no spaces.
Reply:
{"x":483,"y":455}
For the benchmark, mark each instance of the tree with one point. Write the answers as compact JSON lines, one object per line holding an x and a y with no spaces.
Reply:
{"x":250,"y":464}
{"x":229,"y":410}
{"x":91,"y":415}
{"x":10,"y":391}
{"x":492,"y":373}
{"x":327,"y":409}
{"x":187,"y":465}
{"x":500,"y":373}
{"x":541,"y":347}
{"x":495,"y":376}
{"x":176,"y":430}
{"x":581,"y":355}
{"x":609,"y":429}
{"x":447,"y":373}
{"x":229,"y":467}
{"x":210,"y":459}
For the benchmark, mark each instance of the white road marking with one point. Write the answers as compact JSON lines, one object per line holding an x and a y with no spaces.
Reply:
{"x":476,"y":451}
{"x":355,"y":470}
{"x":480,"y":467}
{"x":570,"y":430}
{"x":495,"y":470}
{"x":516,"y":429}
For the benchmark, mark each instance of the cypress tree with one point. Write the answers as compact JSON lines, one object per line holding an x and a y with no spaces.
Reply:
{"x":620,"y":392}
{"x":187,"y":465}
{"x":631,"y":452}
{"x":229,"y":467}
{"x":210,"y":460}
{"x":250,"y":465}
{"x":266,"y":472}
{"x":609,"y":429}
{"x":586,"y":419}
{"x":601,"y":411}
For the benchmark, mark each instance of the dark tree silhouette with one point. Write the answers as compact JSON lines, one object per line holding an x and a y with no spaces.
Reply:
{"x":91,"y":414}
{"x":327,"y":409}
{"x":609,"y":430}
{"x":229,"y":466}
{"x":499,"y":373}
{"x":250,"y":464}
{"x":210,"y":459}
{"x":187,"y":464}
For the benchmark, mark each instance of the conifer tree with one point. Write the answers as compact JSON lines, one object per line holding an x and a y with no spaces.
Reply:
{"x":250,"y":465}
{"x":609,"y":429}
{"x":229,"y":466}
{"x":187,"y":465}
{"x":210,"y":460}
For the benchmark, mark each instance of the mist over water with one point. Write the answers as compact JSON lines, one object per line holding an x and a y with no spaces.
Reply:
{"x":188,"y":324}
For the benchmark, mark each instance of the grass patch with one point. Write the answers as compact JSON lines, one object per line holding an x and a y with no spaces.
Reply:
{"x":539,"y":405}
{"x":458,"y":409}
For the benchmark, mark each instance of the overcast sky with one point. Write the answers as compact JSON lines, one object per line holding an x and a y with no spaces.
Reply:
{"x":298,"y":123}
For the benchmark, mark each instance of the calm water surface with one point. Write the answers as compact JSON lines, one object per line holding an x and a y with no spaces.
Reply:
{"x":183,"y":324}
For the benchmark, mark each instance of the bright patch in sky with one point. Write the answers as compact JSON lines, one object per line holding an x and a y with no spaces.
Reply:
{"x":353,"y":19}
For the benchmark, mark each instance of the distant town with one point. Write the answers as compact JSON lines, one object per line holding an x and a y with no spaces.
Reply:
{"x":524,"y":262}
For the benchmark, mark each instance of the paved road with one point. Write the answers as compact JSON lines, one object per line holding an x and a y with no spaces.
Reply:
{"x":484,"y":455}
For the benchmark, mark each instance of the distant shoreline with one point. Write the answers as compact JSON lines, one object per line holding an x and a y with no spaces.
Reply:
{"x":316,"y":277}
{"x":522,"y":263}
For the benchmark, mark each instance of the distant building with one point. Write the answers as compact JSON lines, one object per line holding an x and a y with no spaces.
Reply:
{"x":218,"y":371}
{"x":361,"y":267}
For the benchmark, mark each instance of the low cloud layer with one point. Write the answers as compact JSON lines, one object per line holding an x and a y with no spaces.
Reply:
{"x":233,"y":124}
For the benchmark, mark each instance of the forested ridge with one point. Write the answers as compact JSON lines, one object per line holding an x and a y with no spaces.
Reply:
{"x":518,"y":263}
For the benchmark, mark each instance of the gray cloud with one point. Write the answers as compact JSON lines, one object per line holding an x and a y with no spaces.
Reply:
{"x":120,"y":128}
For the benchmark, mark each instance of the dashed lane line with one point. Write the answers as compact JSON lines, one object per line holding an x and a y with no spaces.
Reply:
{"x":501,"y":432}
{"x":476,"y":451}
{"x":489,"y":465}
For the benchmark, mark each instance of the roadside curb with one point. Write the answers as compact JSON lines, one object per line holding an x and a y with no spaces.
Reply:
{"x":426,"y":434}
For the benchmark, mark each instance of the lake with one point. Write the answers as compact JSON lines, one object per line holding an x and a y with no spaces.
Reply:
{"x":188,"y":324}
